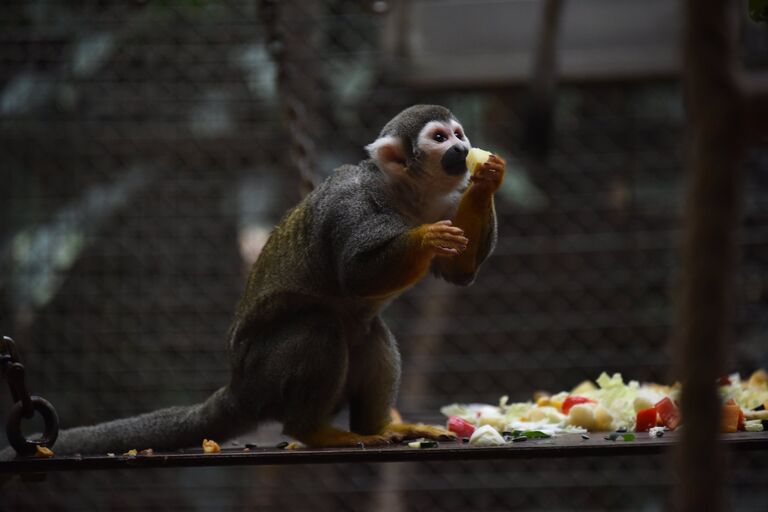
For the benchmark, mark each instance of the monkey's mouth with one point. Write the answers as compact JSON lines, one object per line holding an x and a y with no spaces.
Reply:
{"x":454,"y":160}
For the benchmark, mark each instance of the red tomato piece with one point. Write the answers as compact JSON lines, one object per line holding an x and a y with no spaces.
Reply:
{"x":460,"y":427}
{"x":669,"y":413}
{"x":732,"y":412}
{"x":573,"y":400}
{"x":724,"y":381}
{"x":645,"y":419}
{"x":729,"y":417}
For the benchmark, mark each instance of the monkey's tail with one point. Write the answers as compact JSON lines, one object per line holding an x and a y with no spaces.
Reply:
{"x":171,"y":428}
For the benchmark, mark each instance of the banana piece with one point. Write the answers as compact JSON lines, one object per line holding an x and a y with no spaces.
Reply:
{"x":475,"y":158}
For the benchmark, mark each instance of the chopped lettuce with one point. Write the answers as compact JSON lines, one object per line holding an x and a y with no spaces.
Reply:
{"x":615,"y":406}
{"x":747,"y":397}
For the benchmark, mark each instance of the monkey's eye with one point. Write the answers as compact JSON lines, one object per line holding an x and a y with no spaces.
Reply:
{"x":458,"y":134}
{"x":440,"y":137}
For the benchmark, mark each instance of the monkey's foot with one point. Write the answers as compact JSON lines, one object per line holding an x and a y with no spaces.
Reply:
{"x":400,"y":431}
{"x":332,"y":437}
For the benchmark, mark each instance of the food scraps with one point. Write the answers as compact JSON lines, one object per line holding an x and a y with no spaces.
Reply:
{"x":210,"y":446}
{"x":43,"y":451}
{"x":608,"y":405}
{"x":423,"y":443}
{"x":486,"y":435}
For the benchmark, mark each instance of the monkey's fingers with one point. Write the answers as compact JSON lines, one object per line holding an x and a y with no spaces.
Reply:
{"x":489,"y":171}
{"x":494,"y":166}
{"x":496,"y":159}
{"x":448,"y":232}
{"x":446,"y":241}
{"x":443,"y":252}
{"x":444,"y":249}
{"x":451,"y":238}
{"x":445,"y":226}
{"x":489,"y":178}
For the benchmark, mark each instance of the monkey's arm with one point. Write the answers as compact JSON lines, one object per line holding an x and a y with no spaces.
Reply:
{"x":381,"y":256}
{"x":476,"y":216}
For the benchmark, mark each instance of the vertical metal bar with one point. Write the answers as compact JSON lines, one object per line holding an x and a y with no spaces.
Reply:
{"x":709,"y":249}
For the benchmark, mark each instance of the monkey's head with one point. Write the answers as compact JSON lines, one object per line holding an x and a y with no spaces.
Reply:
{"x":423,"y":141}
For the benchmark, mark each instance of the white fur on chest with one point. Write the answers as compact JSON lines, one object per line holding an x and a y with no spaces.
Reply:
{"x":441,"y":207}
{"x":424,"y":206}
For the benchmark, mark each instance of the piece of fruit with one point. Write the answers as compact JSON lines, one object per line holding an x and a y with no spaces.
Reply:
{"x":583,"y":387}
{"x":603,"y":419}
{"x":646,"y":420}
{"x":475,"y":158}
{"x":210,"y":446}
{"x":582,"y":415}
{"x":573,"y":400}
{"x":460,"y":427}
{"x":729,"y":420}
{"x":724,"y":381}
{"x":487,"y":436}
{"x":42,"y":451}
{"x":642,"y":403}
{"x":668,"y":413}
{"x":546,"y":413}
{"x":759,"y":379}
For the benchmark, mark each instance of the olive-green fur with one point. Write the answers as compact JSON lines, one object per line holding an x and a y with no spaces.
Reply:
{"x":306,"y":338}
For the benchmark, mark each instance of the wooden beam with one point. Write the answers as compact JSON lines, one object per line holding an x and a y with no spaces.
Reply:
{"x":559,"y":448}
{"x":754,"y":91}
{"x":711,"y":219}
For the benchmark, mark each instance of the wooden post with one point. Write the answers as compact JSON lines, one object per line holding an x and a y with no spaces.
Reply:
{"x":713,"y":203}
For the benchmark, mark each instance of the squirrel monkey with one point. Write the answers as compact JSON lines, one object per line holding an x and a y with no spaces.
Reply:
{"x":307,"y":338}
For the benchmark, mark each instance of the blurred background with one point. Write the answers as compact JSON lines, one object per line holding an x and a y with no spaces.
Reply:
{"x":148,"y":147}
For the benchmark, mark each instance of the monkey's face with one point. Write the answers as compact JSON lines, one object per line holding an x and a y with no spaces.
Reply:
{"x":439,"y":151}
{"x":442,"y":147}
{"x":425,"y":147}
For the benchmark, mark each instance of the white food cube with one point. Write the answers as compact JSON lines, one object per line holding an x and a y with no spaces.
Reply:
{"x":477,"y":157}
{"x":582,"y":415}
{"x":486,"y":436}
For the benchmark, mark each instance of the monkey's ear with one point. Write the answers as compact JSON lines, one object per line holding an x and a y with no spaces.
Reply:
{"x":389,"y":154}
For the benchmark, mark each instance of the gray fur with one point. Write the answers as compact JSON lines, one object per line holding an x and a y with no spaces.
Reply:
{"x":164,"y":429}
{"x":406,"y":126}
{"x":307,"y":338}
{"x":408,"y":123}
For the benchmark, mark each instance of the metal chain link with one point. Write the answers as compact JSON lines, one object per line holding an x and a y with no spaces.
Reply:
{"x":13,"y":371}
{"x":24,"y":405}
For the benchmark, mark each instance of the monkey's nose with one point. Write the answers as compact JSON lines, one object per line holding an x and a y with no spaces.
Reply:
{"x":454,"y":159}
{"x":459,"y":148}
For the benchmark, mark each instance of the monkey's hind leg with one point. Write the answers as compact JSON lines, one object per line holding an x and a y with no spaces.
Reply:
{"x":328,"y":436}
{"x":374,"y":374}
{"x":307,"y":369}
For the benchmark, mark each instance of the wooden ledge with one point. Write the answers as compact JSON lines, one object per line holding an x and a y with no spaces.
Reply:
{"x":564,"y":446}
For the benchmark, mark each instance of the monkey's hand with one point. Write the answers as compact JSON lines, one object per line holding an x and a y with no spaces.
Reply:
{"x":487,"y":180}
{"x":442,"y":238}
{"x":476,"y":217}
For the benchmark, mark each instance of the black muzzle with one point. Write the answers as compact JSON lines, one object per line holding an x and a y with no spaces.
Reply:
{"x":454,"y":160}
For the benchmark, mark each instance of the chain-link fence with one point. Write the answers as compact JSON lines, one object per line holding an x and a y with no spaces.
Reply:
{"x":146,"y":150}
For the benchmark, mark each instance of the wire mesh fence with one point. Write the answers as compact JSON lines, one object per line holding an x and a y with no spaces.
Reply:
{"x":148,"y":148}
